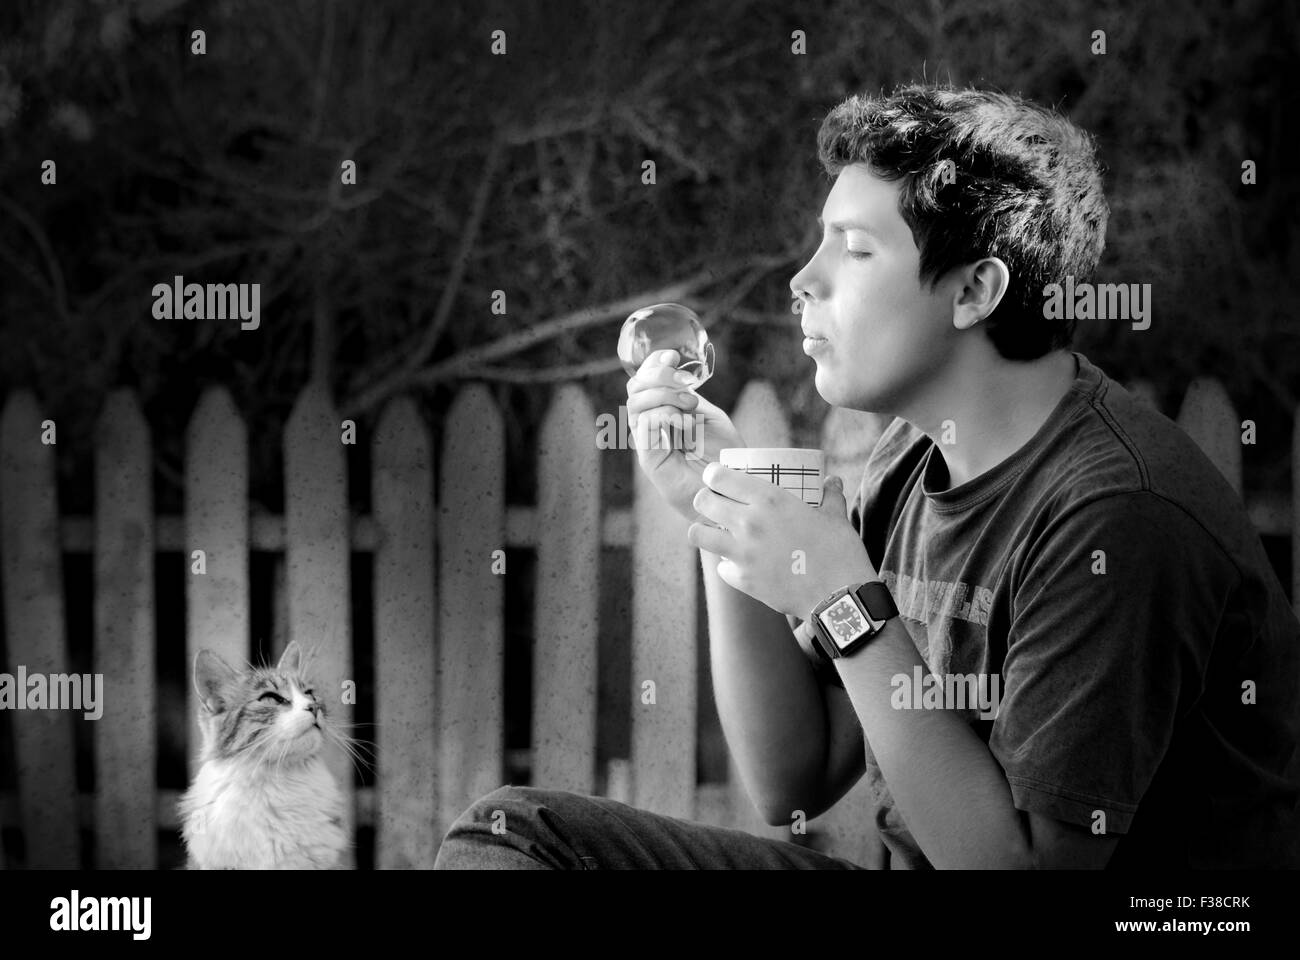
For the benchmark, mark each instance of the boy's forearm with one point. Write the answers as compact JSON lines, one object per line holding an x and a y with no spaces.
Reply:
{"x":768,"y":698}
{"x":946,"y":784}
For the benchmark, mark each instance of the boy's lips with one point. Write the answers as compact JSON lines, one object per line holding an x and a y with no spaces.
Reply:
{"x":812,"y":344}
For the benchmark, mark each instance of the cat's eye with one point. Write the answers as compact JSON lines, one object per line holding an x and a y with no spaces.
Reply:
{"x":273,"y":697}
{"x":309,"y":693}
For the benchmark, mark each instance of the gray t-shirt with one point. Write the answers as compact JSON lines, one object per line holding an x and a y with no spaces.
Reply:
{"x":1107,"y":578}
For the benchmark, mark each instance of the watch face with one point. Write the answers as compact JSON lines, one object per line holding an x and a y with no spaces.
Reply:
{"x":844,"y":621}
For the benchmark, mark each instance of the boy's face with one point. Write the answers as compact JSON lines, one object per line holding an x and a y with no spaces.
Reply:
{"x":887,"y":334}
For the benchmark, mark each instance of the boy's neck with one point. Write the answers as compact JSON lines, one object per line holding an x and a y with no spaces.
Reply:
{"x":996,"y":409}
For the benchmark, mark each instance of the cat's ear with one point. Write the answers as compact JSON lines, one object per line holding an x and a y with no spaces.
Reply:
{"x":291,"y":659}
{"x":211,"y":679}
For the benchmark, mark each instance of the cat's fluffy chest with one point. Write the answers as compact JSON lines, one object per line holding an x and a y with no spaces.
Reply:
{"x":264,"y":819}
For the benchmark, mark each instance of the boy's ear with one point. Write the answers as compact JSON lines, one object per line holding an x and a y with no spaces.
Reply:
{"x":291,"y":659}
{"x":212,"y":680}
{"x":985,"y":285}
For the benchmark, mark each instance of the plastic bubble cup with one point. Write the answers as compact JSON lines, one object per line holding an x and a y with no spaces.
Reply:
{"x":800,"y":470}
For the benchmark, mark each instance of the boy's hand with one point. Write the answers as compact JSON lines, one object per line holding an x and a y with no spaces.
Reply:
{"x":676,"y":432}
{"x":764,"y":526}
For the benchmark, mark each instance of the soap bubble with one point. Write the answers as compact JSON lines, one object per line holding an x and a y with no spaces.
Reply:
{"x":667,"y":326}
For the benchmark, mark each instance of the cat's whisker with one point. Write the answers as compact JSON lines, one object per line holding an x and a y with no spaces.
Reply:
{"x":359,"y":766}
{"x":363,"y":751}
{"x":336,"y":728}
{"x":264,"y":751}
{"x":353,"y":747}
{"x":286,"y":746}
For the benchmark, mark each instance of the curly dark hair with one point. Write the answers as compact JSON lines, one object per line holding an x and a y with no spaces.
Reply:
{"x":984,"y":174}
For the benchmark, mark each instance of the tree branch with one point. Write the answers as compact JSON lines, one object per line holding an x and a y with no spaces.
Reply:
{"x":550,"y":128}
{"x":573,"y":371}
{"x":320,"y":82}
{"x":448,"y":298}
{"x":442,"y":312}
{"x":637,"y":125}
{"x":475,"y":358}
{"x":58,"y":289}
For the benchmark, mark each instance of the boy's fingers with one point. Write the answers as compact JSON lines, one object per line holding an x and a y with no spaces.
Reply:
{"x":650,"y":430}
{"x":650,"y":366}
{"x":648,"y":398}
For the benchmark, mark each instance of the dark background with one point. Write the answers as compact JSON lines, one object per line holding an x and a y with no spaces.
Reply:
{"x":523,"y":173}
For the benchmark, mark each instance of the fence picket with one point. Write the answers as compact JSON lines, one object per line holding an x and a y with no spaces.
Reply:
{"x":317,"y":531}
{"x":440,"y":711}
{"x":405,"y":640}
{"x":1207,"y":416}
{"x":35,"y":635}
{"x":761,"y":419}
{"x":568,"y":591}
{"x":664,"y":652}
{"x":216,"y":522}
{"x":471,"y":526}
{"x":126,"y":747}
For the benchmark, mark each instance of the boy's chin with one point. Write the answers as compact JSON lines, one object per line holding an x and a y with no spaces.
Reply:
{"x":835,"y":392}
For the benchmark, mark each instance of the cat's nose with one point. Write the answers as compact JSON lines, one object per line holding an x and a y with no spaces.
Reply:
{"x":314,"y":707}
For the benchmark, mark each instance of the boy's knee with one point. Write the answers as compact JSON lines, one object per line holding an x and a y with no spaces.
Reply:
{"x":525,"y":811}
{"x":482,"y":810}
{"x":482,"y":828}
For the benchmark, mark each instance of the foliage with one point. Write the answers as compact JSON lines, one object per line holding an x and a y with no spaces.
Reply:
{"x":523,"y":173}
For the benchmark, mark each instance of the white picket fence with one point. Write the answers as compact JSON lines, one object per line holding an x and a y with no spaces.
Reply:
{"x":439,"y":612}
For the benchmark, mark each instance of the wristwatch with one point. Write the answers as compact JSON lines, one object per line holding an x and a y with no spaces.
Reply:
{"x":847,"y":620}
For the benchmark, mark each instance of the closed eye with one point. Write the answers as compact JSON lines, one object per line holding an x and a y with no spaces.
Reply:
{"x":309,"y":693}
{"x":273,"y":697}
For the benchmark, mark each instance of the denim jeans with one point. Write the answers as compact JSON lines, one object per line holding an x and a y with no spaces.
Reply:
{"x":537,"y":829}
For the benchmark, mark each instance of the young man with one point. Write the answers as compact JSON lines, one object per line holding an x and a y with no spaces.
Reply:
{"x":1025,"y":529}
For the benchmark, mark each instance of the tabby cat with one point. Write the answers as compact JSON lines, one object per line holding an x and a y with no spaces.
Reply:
{"x":263,"y":798}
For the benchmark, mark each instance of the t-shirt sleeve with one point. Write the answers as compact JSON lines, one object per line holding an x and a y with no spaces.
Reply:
{"x":1115,"y":610}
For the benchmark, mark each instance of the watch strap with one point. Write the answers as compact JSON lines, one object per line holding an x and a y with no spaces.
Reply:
{"x":876,"y":600}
